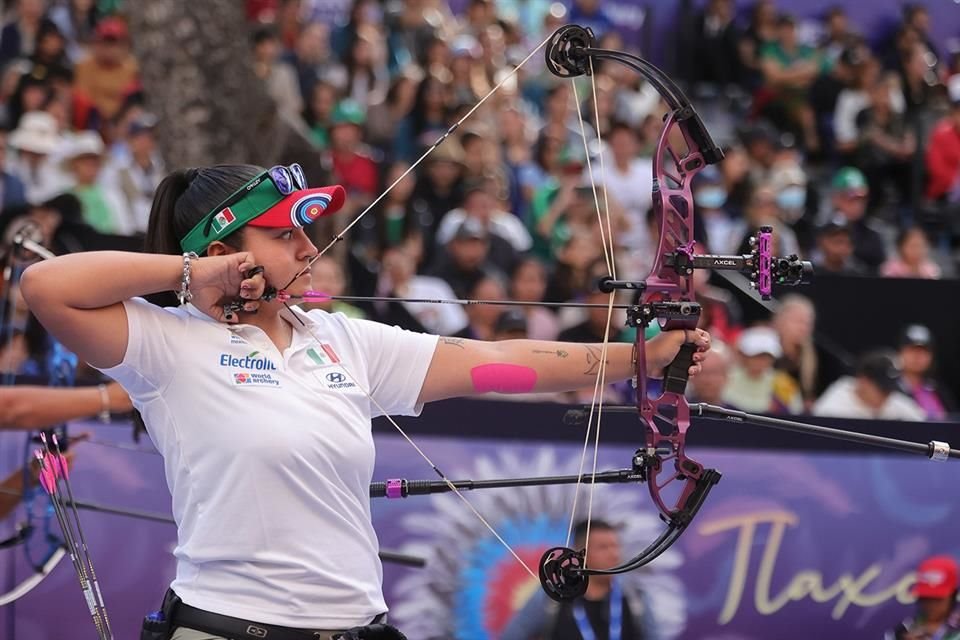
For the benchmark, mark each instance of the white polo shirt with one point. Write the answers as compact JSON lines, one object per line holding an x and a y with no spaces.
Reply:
{"x":269,"y":456}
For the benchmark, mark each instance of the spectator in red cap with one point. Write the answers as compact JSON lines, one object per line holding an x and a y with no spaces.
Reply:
{"x":936,"y":615}
{"x":108,"y":73}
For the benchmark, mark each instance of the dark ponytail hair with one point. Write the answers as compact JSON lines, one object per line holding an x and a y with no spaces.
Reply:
{"x":185,"y":196}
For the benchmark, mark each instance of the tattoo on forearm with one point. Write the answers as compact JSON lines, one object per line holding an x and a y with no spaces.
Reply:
{"x":593,"y":361}
{"x":455,"y":342}
{"x":560,"y":353}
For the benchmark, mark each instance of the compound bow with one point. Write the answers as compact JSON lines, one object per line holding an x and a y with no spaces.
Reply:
{"x":666,"y":297}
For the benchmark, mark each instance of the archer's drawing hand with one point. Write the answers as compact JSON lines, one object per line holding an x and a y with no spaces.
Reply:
{"x":219,"y":280}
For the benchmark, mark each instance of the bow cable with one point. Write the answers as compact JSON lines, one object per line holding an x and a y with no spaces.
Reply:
{"x":608,"y":245}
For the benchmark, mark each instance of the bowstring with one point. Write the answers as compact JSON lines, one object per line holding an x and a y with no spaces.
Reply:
{"x":337,"y":238}
{"x":453,"y":488}
{"x":607,"y":243}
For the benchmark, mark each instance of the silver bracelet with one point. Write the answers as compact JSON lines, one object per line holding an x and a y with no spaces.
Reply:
{"x":104,"y":403}
{"x":185,"y":296}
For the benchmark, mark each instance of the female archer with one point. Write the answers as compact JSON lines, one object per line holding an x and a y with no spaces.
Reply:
{"x":262,"y":411}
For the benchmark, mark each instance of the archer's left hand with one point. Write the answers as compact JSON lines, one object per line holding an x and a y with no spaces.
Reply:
{"x":663,"y":348}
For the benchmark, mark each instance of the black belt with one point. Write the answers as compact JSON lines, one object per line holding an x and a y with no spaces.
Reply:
{"x":239,"y":629}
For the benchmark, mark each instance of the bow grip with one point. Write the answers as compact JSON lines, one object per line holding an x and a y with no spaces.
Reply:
{"x":677,"y":373}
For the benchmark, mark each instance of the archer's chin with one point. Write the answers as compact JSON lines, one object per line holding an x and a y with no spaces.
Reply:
{"x":300,"y":285}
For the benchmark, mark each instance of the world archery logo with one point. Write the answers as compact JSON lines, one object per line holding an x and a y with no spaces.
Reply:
{"x":253,"y":378}
{"x":257,"y":370}
{"x":309,"y":208}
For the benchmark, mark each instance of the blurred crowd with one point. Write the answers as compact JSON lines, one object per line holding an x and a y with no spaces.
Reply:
{"x":850,"y":151}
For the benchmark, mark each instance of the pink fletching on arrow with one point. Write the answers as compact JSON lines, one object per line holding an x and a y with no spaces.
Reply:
{"x":61,"y":468}
{"x":48,"y":479}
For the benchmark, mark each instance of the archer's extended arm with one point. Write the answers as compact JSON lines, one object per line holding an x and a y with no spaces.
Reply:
{"x":463,"y":367}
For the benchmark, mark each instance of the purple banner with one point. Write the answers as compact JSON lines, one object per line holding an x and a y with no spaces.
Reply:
{"x":822,"y":543}
{"x":787,"y":541}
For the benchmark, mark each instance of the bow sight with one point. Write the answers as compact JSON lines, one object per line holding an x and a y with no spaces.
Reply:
{"x":763,"y":269}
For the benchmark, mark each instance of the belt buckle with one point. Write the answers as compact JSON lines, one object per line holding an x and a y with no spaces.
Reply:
{"x":256,"y":632}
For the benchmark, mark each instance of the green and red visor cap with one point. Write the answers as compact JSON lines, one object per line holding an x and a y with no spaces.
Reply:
{"x":276,"y":198}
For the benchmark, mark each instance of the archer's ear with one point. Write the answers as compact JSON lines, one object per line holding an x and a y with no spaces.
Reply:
{"x":218,"y":248}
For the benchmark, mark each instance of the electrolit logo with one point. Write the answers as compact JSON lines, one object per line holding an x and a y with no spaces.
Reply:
{"x":250,"y":362}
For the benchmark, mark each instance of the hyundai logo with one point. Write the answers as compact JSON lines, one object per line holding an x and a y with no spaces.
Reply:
{"x":336,"y":377}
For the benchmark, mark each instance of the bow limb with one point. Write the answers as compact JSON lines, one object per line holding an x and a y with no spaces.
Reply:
{"x":35,"y":578}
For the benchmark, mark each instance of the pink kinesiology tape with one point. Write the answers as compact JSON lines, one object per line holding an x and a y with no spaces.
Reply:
{"x":503,"y":378}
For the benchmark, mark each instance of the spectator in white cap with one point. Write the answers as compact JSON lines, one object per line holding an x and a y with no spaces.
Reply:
{"x":754,"y":384}
{"x":103,"y":205}
{"x":36,"y":140}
